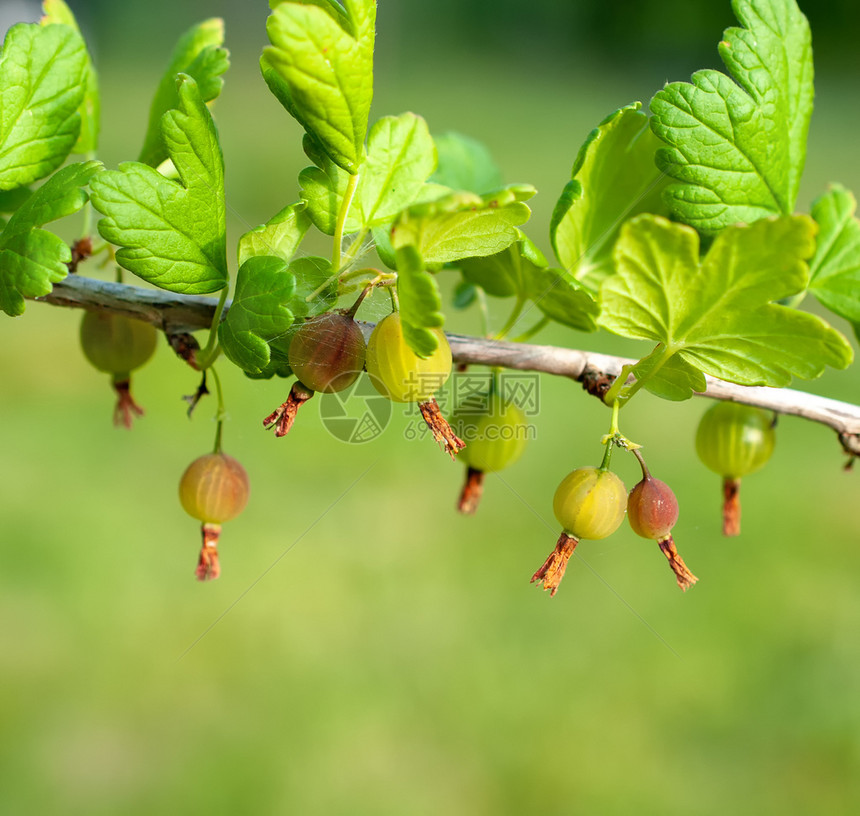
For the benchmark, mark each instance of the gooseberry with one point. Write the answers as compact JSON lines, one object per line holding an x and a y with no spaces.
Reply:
{"x":495,"y":438}
{"x":589,"y":503}
{"x":652,"y":511}
{"x":327,"y":352}
{"x":734,"y":440}
{"x":398,"y":373}
{"x":118,"y":345}
{"x":213,"y":489}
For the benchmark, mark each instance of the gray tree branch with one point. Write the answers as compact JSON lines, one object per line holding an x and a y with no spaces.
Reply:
{"x":178,"y":314}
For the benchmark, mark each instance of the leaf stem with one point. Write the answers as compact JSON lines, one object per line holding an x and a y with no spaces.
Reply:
{"x":512,"y":320}
{"x":337,"y":253}
{"x":220,"y":414}
{"x":212,"y":350}
{"x":529,"y":333}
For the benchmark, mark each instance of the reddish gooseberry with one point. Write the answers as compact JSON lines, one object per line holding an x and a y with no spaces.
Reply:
{"x":213,"y":489}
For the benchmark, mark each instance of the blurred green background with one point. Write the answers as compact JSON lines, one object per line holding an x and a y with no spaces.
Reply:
{"x":367,"y":650}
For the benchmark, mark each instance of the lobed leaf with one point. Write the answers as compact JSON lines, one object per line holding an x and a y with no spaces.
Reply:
{"x":32,"y":259}
{"x":463,"y":225}
{"x":737,"y":148}
{"x":835,"y":267}
{"x":280,"y":236}
{"x":717,"y":315}
{"x":200,"y":55}
{"x":259,"y":313}
{"x":57,"y":12}
{"x":614,"y":178}
{"x":400,"y":158}
{"x":522,"y":271}
{"x":420,"y":302}
{"x":171,"y":234}
{"x":320,"y":67}
{"x":43,"y":79}
{"x":465,"y":164}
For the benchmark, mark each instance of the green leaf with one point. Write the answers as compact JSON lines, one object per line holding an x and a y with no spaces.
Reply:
{"x":464,"y":296}
{"x":316,"y":286}
{"x":11,"y":200}
{"x":400,"y":158}
{"x":420,"y":302}
{"x":463,"y":225}
{"x":199,"y":54}
{"x":718,"y":316}
{"x":280,"y":236}
{"x":43,"y":78}
{"x":258,"y":314}
{"x":835,"y":267}
{"x":465,"y":164}
{"x":32,"y":259}
{"x":738,"y":148}
{"x":614,"y":178}
{"x":670,"y":379}
{"x":521,"y":270}
{"x":56,"y":11}
{"x":320,"y":67}
{"x":171,"y":234}
{"x":562,"y":298}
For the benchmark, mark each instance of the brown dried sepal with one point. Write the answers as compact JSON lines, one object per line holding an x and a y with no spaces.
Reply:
{"x":282,"y":418}
{"x":553,"y":568}
{"x":473,"y":489}
{"x":126,"y":408}
{"x":731,"y":507}
{"x":683,"y":576}
{"x":81,"y":250}
{"x":442,"y":432}
{"x":208,"y":566}
{"x":185,"y":346}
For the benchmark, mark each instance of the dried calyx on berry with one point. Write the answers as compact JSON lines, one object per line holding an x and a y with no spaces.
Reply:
{"x":213,"y":489}
{"x":734,"y":440}
{"x":589,"y":503}
{"x":118,"y":345}
{"x":398,"y":373}
{"x":495,"y":431}
{"x":652,"y":511}
{"x":326,"y":354}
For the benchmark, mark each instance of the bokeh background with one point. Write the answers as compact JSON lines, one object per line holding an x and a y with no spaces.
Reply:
{"x":367,"y":650}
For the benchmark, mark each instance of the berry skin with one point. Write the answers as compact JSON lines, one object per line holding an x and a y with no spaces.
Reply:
{"x":589,"y":503}
{"x":652,"y":511}
{"x":213,"y":489}
{"x":118,"y":345}
{"x":399,"y":373}
{"x":327,"y":353}
{"x":734,"y":440}
{"x":495,"y":439}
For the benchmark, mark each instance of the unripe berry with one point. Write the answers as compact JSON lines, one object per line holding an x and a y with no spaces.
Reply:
{"x":397,"y":372}
{"x":118,"y":345}
{"x":327,"y":353}
{"x":495,"y":438}
{"x":589,"y":503}
{"x":734,"y":440}
{"x":213,"y":489}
